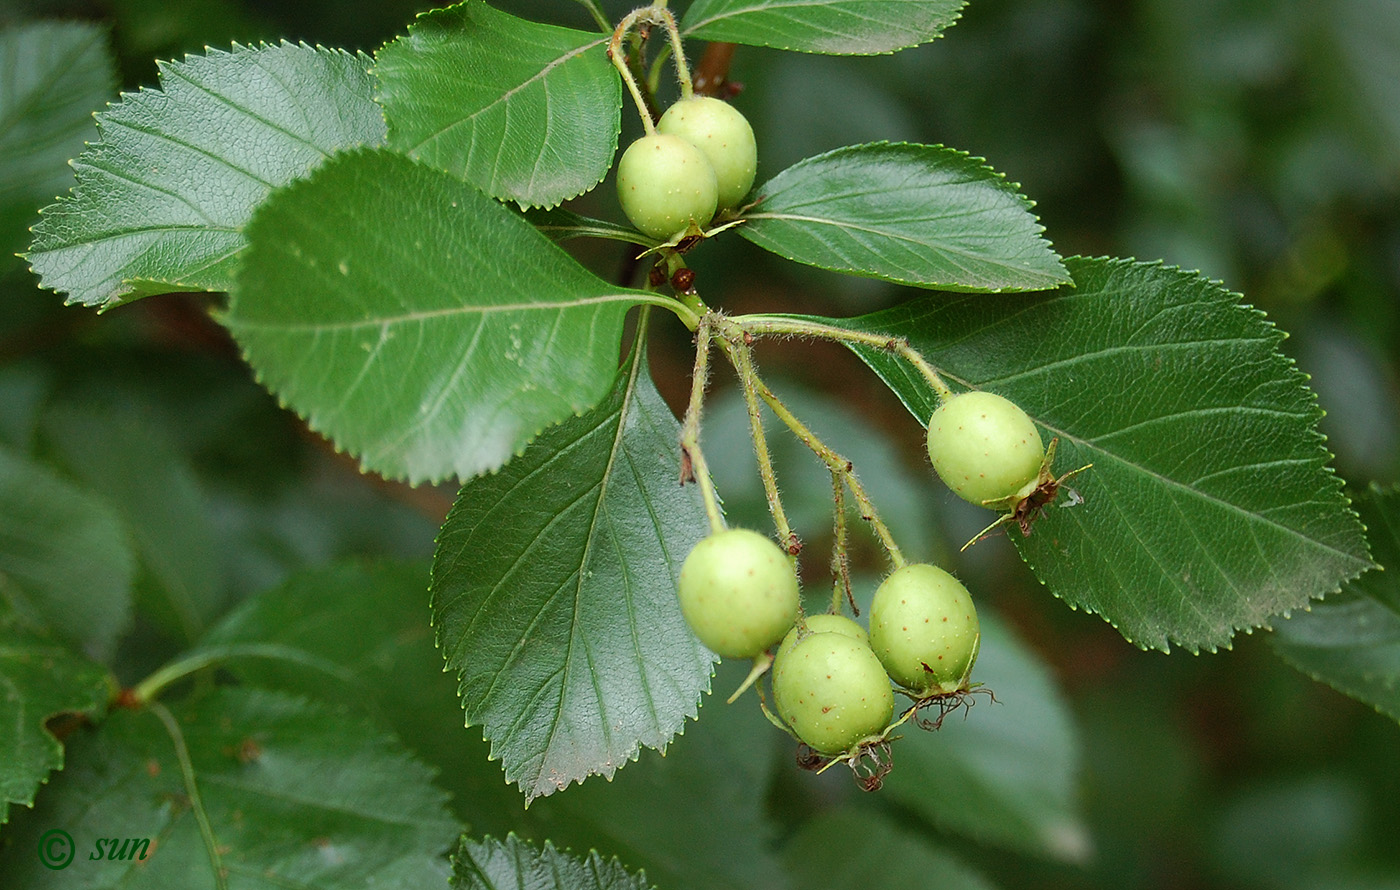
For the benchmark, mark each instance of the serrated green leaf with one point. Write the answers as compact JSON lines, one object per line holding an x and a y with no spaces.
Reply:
{"x":295,"y":794}
{"x":39,"y":679}
{"x":524,"y":111}
{"x":1351,"y":640}
{"x":162,"y":199}
{"x":853,"y":848}
{"x":52,"y":77}
{"x":923,"y":215}
{"x":1007,"y":774}
{"x":419,"y":324}
{"x":1210,"y":507}
{"x":65,"y":563}
{"x":554,"y":593}
{"x":836,"y":27}
{"x":514,"y":864}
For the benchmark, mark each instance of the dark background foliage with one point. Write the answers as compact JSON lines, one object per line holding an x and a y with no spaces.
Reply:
{"x":1255,"y":140}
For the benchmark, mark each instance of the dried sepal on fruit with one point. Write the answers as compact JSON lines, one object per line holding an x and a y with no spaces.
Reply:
{"x":1025,"y":509}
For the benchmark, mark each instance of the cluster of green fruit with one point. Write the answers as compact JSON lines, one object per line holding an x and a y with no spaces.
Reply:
{"x":831,"y":680}
{"x":701,"y":159}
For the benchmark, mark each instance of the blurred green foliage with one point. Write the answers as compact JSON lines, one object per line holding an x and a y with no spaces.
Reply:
{"x":1256,"y":140}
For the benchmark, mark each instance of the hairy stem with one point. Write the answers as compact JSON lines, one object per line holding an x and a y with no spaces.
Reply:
{"x":838,"y":465}
{"x":765,"y":325}
{"x":693,"y":465}
{"x":741,"y":357}
{"x":677,"y":49}
{"x":840,"y":555}
{"x":619,"y":60}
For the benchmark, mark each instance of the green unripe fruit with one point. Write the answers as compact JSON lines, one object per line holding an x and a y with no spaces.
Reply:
{"x":831,"y":690}
{"x":664,"y":184}
{"x":924,"y":629}
{"x":724,"y":135}
{"x":738,"y":593}
{"x":818,"y":624}
{"x":984,"y":447}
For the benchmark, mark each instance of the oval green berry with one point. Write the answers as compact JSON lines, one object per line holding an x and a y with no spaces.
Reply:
{"x":824,"y":623}
{"x":723,"y":133}
{"x":984,"y":447}
{"x":831,"y":690}
{"x":664,"y":184}
{"x":738,"y":593}
{"x":924,"y":629}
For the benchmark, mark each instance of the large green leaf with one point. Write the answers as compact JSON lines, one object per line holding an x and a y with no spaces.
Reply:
{"x":856,"y":848}
{"x":524,"y":111}
{"x":1351,"y":640}
{"x":1009,"y":772}
{"x":52,"y":77}
{"x":514,"y":864}
{"x":915,"y":214}
{"x":838,"y":27}
{"x":161,"y":200}
{"x":39,"y":679}
{"x":358,"y":634}
{"x":554,"y":593}
{"x":419,"y":324}
{"x":291,"y":794}
{"x":65,"y":563}
{"x":1210,"y":507}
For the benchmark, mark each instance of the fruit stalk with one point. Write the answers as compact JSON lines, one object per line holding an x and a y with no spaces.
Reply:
{"x":741,"y":356}
{"x":693,"y":466}
{"x":838,"y":466}
{"x":765,"y":325}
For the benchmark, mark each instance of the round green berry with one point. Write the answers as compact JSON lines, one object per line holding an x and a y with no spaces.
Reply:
{"x":664,"y":184}
{"x":984,"y":447}
{"x":824,"y":623}
{"x":724,"y":135}
{"x":924,"y":630}
{"x":831,"y":690}
{"x":738,"y":593}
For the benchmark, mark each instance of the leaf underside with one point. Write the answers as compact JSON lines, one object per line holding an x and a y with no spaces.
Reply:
{"x":417,"y":323}
{"x":1351,"y":640}
{"x":1210,"y":506}
{"x":836,"y":27}
{"x":524,"y":111}
{"x":554,"y":594}
{"x":923,"y":215}
{"x":162,"y":198}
